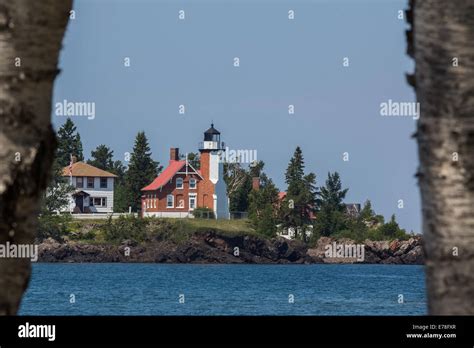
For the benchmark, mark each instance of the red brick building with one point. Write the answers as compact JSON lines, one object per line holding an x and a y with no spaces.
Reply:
{"x":181,"y":188}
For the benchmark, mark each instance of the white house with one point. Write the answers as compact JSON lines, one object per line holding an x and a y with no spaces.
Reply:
{"x":94,"y":189}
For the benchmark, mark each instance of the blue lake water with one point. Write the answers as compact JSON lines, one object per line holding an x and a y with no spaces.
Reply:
{"x":155,"y":289}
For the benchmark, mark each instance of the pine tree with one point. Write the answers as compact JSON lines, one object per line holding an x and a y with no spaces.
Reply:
{"x":301,"y":196}
{"x":57,"y":193}
{"x":332,"y":194}
{"x":102,"y":158}
{"x":263,"y":203}
{"x":141,"y":171}
{"x":69,"y":143}
{"x":391,"y":229}
{"x":367,"y":213}
{"x":331,"y":215}
{"x":120,"y":191}
{"x":118,"y":169}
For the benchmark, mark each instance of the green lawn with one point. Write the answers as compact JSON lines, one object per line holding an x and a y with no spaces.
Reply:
{"x":241,"y":225}
{"x":178,"y":230}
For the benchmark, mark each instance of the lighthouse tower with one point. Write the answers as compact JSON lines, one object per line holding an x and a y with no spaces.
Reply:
{"x":213,"y":187}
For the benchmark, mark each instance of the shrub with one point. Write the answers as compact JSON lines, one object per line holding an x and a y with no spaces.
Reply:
{"x":203,"y":213}
{"x":391,"y":230}
{"x":53,"y":226}
{"x":163,"y":229}
{"x":125,"y":227}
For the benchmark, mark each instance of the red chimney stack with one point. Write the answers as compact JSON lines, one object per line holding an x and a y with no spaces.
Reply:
{"x":174,"y":154}
{"x":256,"y":183}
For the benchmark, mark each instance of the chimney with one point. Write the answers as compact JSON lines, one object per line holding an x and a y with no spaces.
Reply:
{"x":174,"y":154}
{"x":256,"y":183}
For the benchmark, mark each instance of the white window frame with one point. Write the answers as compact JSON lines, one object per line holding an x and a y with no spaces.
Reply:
{"x":194,"y":196}
{"x":179,"y":180}
{"x":194,"y":186}
{"x":103,"y":202}
{"x":168,"y":201}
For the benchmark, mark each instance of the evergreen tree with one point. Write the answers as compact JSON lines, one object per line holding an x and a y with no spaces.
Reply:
{"x":57,"y":193}
{"x":121,"y":198}
{"x":118,"y":169}
{"x":102,"y":158}
{"x":69,"y":143}
{"x":367,"y":213}
{"x":332,"y":194}
{"x":263,"y":213}
{"x":331,"y":215}
{"x":301,"y":196}
{"x":391,"y":229}
{"x":256,"y":169}
{"x":120,"y":191}
{"x":369,"y":216}
{"x":142,"y":170}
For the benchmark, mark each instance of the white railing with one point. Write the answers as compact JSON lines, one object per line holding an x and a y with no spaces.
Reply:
{"x":100,"y":215}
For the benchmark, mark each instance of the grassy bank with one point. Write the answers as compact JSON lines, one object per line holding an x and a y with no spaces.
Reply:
{"x":114,"y":231}
{"x":96,"y":231}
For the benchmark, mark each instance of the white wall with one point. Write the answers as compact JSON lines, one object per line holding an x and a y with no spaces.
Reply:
{"x":216,"y":176}
{"x":221,"y":208}
{"x":108,"y":193}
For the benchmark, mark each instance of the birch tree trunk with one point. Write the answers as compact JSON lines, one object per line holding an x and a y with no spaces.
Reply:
{"x":442,"y":43}
{"x":31,"y":32}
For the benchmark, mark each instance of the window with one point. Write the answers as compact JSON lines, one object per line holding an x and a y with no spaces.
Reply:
{"x":103,"y":182}
{"x":169,"y":201}
{"x":99,"y":201}
{"x":90,"y":182}
{"x":79,"y":182}
{"x":192,"y":183}
{"x":179,"y":183}
{"x":192,"y":202}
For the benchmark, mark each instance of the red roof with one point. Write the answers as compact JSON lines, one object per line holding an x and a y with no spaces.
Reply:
{"x":165,"y":176}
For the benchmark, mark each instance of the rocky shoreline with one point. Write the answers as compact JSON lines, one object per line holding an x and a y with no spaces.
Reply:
{"x":213,"y":248}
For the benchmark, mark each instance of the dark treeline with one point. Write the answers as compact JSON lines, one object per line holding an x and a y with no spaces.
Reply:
{"x":311,"y":211}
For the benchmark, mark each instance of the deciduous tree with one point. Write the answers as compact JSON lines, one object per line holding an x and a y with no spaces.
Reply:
{"x":441,"y":42}
{"x":30,"y":40}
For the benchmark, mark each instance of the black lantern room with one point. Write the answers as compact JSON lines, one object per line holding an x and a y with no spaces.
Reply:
{"x":212,"y":134}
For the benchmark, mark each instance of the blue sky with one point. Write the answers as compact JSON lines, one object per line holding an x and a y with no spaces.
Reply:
{"x":282,"y":62}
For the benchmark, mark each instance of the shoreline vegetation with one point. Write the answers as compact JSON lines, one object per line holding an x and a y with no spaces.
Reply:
{"x":161,"y":240}
{"x":322,"y":226}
